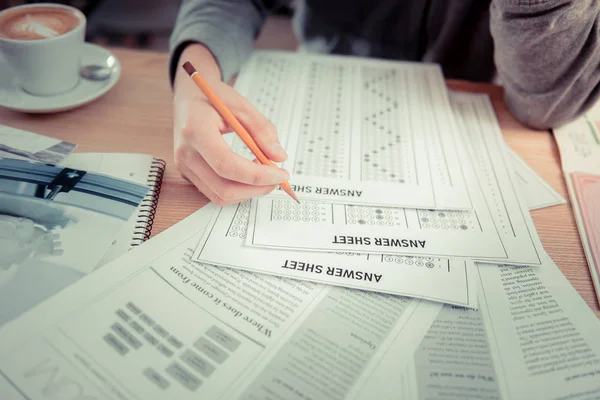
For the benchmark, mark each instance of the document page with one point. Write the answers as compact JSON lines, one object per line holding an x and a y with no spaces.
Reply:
{"x":333,"y":353}
{"x":498,"y":229}
{"x":397,"y":351}
{"x":23,"y":145}
{"x":533,"y":337}
{"x":579,"y":145}
{"x":536,"y":192}
{"x":453,"y":361}
{"x":369,"y":131}
{"x":154,"y":325}
{"x":543,"y":336}
{"x":389,"y":377}
{"x":437,"y":279}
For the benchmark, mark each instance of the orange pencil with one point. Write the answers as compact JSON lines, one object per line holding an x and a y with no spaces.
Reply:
{"x":234,"y":123}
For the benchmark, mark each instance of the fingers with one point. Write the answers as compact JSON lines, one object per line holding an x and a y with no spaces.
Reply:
{"x":204,"y":158}
{"x":201,"y":130}
{"x":219,"y":190}
{"x":260,"y":128}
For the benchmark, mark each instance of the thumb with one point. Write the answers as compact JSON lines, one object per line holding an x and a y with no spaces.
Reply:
{"x":261,"y":129}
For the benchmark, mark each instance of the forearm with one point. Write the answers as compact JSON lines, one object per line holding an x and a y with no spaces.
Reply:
{"x":204,"y":62}
{"x":548,"y":57}
{"x":226,"y":28}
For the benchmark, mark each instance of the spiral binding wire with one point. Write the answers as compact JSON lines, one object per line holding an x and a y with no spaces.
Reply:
{"x":147,"y":209}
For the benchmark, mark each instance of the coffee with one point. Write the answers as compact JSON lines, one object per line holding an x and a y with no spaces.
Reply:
{"x":42,"y":46}
{"x":36,"y":23}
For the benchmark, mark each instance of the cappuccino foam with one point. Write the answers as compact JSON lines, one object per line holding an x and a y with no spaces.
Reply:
{"x":35,"y":23}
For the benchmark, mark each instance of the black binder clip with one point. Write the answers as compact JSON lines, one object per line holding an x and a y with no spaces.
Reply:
{"x":64,"y":182}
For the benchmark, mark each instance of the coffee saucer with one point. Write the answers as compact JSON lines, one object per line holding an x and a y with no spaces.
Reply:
{"x":15,"y":98}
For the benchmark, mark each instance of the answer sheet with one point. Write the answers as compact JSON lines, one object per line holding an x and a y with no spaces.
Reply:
{"x":442,"y":280}
{"x":154,"y":325}
{"x":367,"y":131}
{"x":498,"y":230}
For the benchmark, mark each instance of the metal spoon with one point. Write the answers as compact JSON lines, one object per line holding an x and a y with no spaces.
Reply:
{"x":96,"y":72}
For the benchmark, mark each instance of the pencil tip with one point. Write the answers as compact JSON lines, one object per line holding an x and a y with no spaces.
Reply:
{"x":189,"y":68}
{"x":288,"y":189}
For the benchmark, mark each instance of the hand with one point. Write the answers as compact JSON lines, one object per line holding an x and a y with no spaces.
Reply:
{"x":201,"y":153}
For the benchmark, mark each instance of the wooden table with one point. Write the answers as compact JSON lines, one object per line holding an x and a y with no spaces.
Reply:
{"x":136,"y":116}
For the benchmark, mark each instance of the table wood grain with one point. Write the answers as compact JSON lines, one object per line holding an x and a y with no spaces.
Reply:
{"x":136,"y":117}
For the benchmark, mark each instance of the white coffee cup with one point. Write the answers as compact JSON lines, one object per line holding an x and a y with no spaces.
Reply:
{"x":48,"y":64}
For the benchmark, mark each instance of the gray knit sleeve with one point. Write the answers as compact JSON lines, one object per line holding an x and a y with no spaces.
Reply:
{"x":226,"y":27}
{"x":548,"y":57}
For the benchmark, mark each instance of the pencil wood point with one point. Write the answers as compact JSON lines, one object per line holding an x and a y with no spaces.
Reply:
{"x":285,"y":186}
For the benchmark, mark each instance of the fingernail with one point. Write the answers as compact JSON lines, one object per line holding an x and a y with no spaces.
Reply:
{"x":278,"y":149}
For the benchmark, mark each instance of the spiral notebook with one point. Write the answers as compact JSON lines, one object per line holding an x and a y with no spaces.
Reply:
{"x":138,"y":168}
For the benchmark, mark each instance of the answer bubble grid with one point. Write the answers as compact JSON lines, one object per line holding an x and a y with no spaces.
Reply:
{"x":375,"y":216}
{"x":239,"y":225}
{"x":483,"y":162}
{"x":307,"y":211}
{"x":435,"y":144}
{"x":416,"y":261}
{"x":266,"y":93}
{"x":386,"y":141}
{"x":448,"y":220}
{"x":324,"y":146}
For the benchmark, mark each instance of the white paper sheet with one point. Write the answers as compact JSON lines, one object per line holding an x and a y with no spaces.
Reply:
{"x":131,"y":167}
{"x":153,"y":325}
{"x":389,"y":380}
{"x":382,"y":381}
{"x":436,"y":279}
{"x":371,"y":131}
{"x":48,"y":243}
{"x":543,"y":336}
{"x":494,"y":170}
{"x":499,"y":229}
{"x":532,"y":338}
{"x":281,"y":224}
{"x":23,"y":145}
{"x":536,"y":192}
{"x":454,"y":360}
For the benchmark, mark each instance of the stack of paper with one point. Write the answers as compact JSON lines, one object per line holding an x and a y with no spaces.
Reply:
{"x":579,"y":145}
{"x":154,"y":324}
{"x":458,"y":209}
{"x":411,"y":268}
{"x":403,"y":185}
